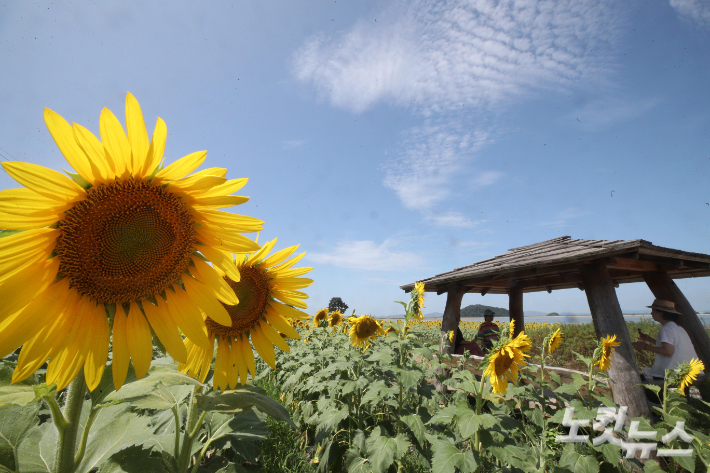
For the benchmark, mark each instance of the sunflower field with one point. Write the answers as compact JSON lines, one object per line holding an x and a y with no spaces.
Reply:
{"x":141,"y":331}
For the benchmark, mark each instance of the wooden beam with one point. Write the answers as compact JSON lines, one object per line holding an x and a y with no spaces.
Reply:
{"x":452,"y":316}
{"x":609,"y":320}
{"x":663,"y":287}
{"x":515,"y":308}
{"x":631,"y":264}
{"x":548,"y":289}
{"x":485,"y":291}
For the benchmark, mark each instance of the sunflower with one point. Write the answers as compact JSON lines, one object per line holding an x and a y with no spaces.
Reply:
{"x":452,"y":335}
{"x":419,"y":304}
{"x":689,"y":372}
{"x":259,"y":317}
{"x":554,"y":341}
{"x":607,"y":345}
{"x":320,"y":318}
{"x":335,"y":318}
{"x":363,"y":329}
{"x":504,"y":361}
{"x":119,"y":239}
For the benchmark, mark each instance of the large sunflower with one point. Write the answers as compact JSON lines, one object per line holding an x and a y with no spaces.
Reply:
{"x":505,"y":360}
{"x":689,"y":372}
{"x":119,"y":239}
{"x":554,"y":341}
{"x":259,"y":317}
{"x":335,"y":318}
{"x":320,"y":318}
{"x":607,"y":345}
{"x":419,"y":305}
{"x":363,"y":329}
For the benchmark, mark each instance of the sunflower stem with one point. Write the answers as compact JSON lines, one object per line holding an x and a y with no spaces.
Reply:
{"x":192,"y":428}
{"x":85,"y":435}
{"x":66,"y":441}
{"x":176,"y":414}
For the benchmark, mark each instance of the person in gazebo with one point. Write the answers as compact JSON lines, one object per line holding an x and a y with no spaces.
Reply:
{"x":488,"y":331}
{"x":673,"y":345}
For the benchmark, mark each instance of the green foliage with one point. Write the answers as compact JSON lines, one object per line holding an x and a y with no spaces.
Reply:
{"x":336,"y":303}
{"x":477,"y":310}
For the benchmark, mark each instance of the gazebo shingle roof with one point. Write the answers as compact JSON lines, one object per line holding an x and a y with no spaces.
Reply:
{"x":553,"y":264}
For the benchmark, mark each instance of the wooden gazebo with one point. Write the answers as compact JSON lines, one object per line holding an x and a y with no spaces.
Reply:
{"x":596,"y":267}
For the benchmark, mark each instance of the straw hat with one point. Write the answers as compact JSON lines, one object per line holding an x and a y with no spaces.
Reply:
{"x":488,"y":312}
{"x":664,"y":306}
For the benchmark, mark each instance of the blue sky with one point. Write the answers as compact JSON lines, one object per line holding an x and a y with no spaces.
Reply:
{"x":398,"y":140}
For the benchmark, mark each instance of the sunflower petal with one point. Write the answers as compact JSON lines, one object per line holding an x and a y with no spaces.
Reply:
{"x":98,"y":345}
{"x":63,"y":136}
{"x":20,"y":290}
{"x":157,"y":148}
{"x":140,"y":343}
{"x":206,"y":300}
{"x":27,"y":202}
{"x":187,"y":315}
{"x":274,"y":337}
{"x":280,"y":324}
{"x":228,"y":188}
{"x":279,"y":256}
{"x":209,"y":276}
{"x":224,"y":241}
{"x":248,"y":356}
{"x":228,"y":221}
{"x":181,"y":168}
{"x":26,"y":222}
{"x":222,"y":261}
{"x":137,"y":134}
{"x":101,"y":164}
{"x":44,"y":181}
{"x":120,"y":349}
{"x":257,"y":255}
{"x":263,"y":346}
{"x":166,"y":330}
{"x":115,"y":142}
{"x":289,"y":312}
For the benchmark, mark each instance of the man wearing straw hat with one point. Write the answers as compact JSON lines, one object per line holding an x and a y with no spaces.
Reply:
{"x":673,"y":345}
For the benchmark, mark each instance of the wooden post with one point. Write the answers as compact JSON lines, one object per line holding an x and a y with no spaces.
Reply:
{"x":663,"y":287}
{"x":452,"y":316}
{"x":515,"y":307}
{"x":609,"y":320}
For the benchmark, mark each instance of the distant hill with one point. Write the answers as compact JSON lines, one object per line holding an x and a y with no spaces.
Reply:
{"x":476,"y":310}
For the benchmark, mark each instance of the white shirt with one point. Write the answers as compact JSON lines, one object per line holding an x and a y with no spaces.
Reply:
{"x":683,"y":350}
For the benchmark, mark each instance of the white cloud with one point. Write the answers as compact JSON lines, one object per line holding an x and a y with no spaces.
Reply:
{"x":368,"y":255}
{"x":431,"y":155}
{"x":696,"y":10}
{"x":449,"y":219}
{"x":437,"y":56}
{"x":289,"y":144}
{"x":599,"y":114}
{"x":487,"y":178}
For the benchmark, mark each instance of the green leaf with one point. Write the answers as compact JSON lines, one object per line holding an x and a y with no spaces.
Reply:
{"x":36,"y":452}
{"x":578,"y":463}
{"x":415,"y":424}
{"x":17,"y":395}
{"x":246,"y":426}
{"x":383,"y":450}
{"x":653,"y":387}
{"x":162,"y":397}
{"x":570,"y":389}
{"x":444,"y":416}
{"x":652,"y":466}
{"x":15,"y":424}
{"x":133,"y":460}
{"x":612,"y":453}
{"x":164,"y":373}
{"x":331,"y":418}
{"x":447,"y":458}
{"x":243,"y":399}
{"x":555,"y":377}
{"x":114,"y":429}
{"x":687,"y":462}
{"x":584,"y":359}
{"x":355,"y":463}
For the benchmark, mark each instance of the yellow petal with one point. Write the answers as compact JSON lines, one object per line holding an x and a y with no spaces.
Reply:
{"x":258,"y":255}
{"x":207,"y":274}
{"x":97,"y":345}
{"x":46,"y":182}
{"x":232,"y":367}
{"x":27,"y":202}
{"x":280,"y":324}
{"x":238,"y":351}
{"x":120,"y":349}
{"x":229,"y":187}
{"x":101,"y":163}
{"x":225,"y":241}
{"x":220,"y":366}
{"x":290,"y":262}
{"x":229,"y":221}
{"x":166,"y":329}
{"x":289,"y":312}
{"x":221,"y":172}
{"x":137,"y":134}
{"x":195,"y":184}
{"x":206,"y":299}
{"x":187,"y":315}
{"x":140,"y":341}
{"x":157,"y":148}
{"x":248,"y":357}
{"x":27,"y":222}
{"x":218,"y":202}
{"x":38,"y":242}
{"x":274,"y":337}
{"x":263,"y":346}
{"x":290,"y":273}
{"x":290,"y":298}
{"x":28,"y":284}
{"x":63,"y":135}
{"x":115,"y":142}
{"x":279,"y":256}
{"x":222,"y":261}
{"x":181,"y":168}
{"x":291,"y":284}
